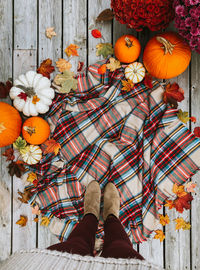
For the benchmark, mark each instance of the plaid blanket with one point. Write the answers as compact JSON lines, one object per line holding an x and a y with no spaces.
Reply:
{"x":132,"y":139}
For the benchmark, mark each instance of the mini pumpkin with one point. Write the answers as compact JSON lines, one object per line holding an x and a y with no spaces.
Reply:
{"x":10,"y":124}
{"x":31,"y":154}
{"x":35,"y":130}
{"x":166,"y":55}
{"x":127,"y":49}
{"x":32,"y":93}
{"x":135,"y":72}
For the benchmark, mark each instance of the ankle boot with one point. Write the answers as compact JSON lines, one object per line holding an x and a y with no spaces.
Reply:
{"x":111,"y":201}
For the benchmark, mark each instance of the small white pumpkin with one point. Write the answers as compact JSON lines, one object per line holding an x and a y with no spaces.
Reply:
{"x":135,"y":72}
{"x":32,"y":93}
{"x":32,"y":154}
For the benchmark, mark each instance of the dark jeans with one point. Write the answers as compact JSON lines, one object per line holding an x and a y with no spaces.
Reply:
{"x":82,"y":239}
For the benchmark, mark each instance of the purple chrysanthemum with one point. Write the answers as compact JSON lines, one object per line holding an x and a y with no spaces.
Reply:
{"x":188,"y":21}
{"x":194,"y":31}
{"x":193,"y":13}
{"x":193,"y":43}
{"x":194,"y":2}
{"x":179,"y":10}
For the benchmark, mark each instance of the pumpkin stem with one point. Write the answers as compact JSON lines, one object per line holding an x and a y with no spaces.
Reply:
{"x":28,"y":90}
{"x":30,"y":130}
{"x":129,"y":43}
{"x":168,"y":46}
{"x":2,"y":127}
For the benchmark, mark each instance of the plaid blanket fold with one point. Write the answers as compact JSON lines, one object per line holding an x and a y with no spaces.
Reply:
{"x":132,"y":139}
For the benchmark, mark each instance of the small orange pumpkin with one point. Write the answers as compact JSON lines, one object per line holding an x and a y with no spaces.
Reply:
{"x":10,"y":124}
{"x":166,"y":55}
{"x":127,"y":49}
{"x":35,"y":130}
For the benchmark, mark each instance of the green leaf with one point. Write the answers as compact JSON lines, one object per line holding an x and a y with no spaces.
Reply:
{"x":183,"y":116}
{"x":104,"y":49}
{"x":66,"y":81}
{"x":19,"y":144}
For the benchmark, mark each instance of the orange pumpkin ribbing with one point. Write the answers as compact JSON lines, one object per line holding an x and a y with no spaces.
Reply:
{"x":35,"y":130}
{"x":10,"y":124}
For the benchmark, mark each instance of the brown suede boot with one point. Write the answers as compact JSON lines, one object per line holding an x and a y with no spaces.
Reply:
{"x":92,"y":199}
{"x":111,"y":201}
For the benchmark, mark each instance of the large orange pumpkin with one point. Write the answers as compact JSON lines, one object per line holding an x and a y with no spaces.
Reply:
{"x":127,"y":49}
{"x":35,"y":130}
{"x":10,"y":124}
{"x":166,"y":55}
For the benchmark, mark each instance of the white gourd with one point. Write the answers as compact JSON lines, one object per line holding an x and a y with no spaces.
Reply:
{"x":32,"y":154}
{"x":32,"y":85}
{"x":135,"y":72}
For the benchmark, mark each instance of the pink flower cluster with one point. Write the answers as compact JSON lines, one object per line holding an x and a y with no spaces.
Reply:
{"x":187,"y":21}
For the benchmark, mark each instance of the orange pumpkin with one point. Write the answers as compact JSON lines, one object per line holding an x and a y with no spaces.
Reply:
{"x":35,"y":130}
{"x":166,"y":55}
{"x":127,"y":49}
{"x":10,"y":124}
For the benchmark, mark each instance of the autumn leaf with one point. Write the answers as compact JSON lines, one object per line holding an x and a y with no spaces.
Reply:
{"x":113,"y":64}
{"x":173,"y":94}
{"x":105,"y":15}
{"x":25,"y":196}
{"x":197,"y":132}
{"x":23,"y":96}
{"x":63,"y":65}
{"x":127,"y":85}
{"x":5,"y":89}
{"x":22,"y":221}
{"x":36,"y":210}
{"x":16,"y":168}
{"x":169,"y":203}
{"x":20,"y":144}
{"x":96,"y":33}
{"x":182,"y":224}
{"x":45,"y":221}
{"x":148,"y":80}
{"x":190,"y":186}
{"x":164,"y":220}
{"x":183,"y":116}
{"x":9,"y":153}
{"x":182,"y":203}
{"x":80,"y":66}
{"x":193,"y":119}
{"x":179,"y":190}
{"x":36,"y":219}
{"x":159,"y":235}
{"x":104,"y":49}
{"x":51,"y":146}
{"x":72,"y":50}
{"x":102,"y":69}
{"x":46,"y":68}
{"x":66,"y":81}
{"x":50,"y":32}
{"x":32,"y":178}
{"x":35,"y":99}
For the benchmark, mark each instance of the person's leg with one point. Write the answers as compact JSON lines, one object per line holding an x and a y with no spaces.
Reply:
{"x":82,"y":239}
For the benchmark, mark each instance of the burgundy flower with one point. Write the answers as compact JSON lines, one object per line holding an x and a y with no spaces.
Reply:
{"x":194,"y":31}
{"x":179,"y":10}
{"x":193,"y":13}
{"x":193,"y":43}
{"x":194,"y":2}
{"x":188,"y":21}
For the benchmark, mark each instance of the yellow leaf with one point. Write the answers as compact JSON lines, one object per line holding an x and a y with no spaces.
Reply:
{"x":45,"y":221}
{"x":159,"y":235}
{"x":31,"y":177}
{"x":72,"y":50}
{"x":182,"y":224}
{"x":63,"y":65}
{"x":179,"y":190}
{"x":35,"y":99}
{"x":113,"y":65}
{"x":50,"y":32}
{"x":22,"y":221}
{"x":170,"y":204}
{"x":127,"y":85}
{"x":164,"y":219}
{"x":183,"y":116}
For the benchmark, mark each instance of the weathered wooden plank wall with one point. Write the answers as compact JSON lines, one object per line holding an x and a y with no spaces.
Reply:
{"x":23,"y":46}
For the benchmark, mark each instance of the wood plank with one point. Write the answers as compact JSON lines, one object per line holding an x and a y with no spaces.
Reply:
{"x":177,"y":251}
{"x":25,"y":24}
{"x":195,"y":111}
{"x":50,"y":16}
{"x":5,"y":179}
{"x":94,"y":8}
{"x":23,"y":237}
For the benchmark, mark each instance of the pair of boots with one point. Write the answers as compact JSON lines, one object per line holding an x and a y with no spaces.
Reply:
{"x":92,"y":200}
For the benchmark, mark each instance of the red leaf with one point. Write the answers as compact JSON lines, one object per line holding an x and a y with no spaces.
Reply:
{"x":23,"y":96}
{"x":96,"y":33}
{"x":197,"y":132}
{"x":148,"y":81}
{"x":173,"y":94}
{"x":46,"y":68}
{"x":80,"y":66}
{"x":102,"y":69}
{"x":182,"y":203}
{"x":51,"y":146}
{"x":5,"y":89}
{"x":193,"y":119}
{"x":9,"y":153}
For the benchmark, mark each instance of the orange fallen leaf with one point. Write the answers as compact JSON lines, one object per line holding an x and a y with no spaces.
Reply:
{"x":127,"y":85}
{"x":72,"y":50}
{"x":50,"y":32}
{"x":169,"y":203}
{"x":179,"y":190}
{"x":51,"y":146}
{"x":63,"y":65}
{"x":183,"y":202}
{"x":159,"y":235}
{"x":102,"y":69}
{"x":46,"y":68}
{"x":173,"y":94}
{"x":164,"y":220}
{"x":182,"y":224}
{"x":25,"y":196}
{"x":193,"y":119}
{"x":22,"y":221}
{"x":36,"y":219}
{"x":45,"y":221}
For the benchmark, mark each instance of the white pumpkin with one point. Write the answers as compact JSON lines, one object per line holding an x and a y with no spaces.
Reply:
{"x":32,"y":154}
{"x":135,"y":72}
{"x":32,"y":93}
